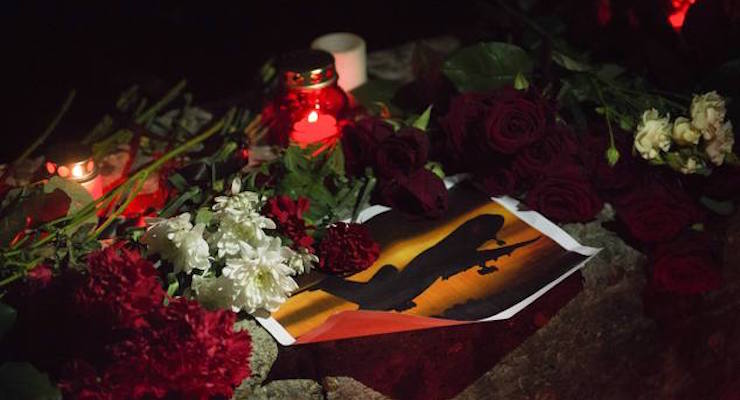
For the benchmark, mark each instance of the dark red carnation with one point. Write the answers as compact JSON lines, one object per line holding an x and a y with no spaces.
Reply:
{"x":565,"y":196}
{"x":347,"y":248}
{"x":288,"y":216}
{"x":401,"y":153}
{"x":557,"y":146}
{"x":422,"y":193}
{"x":656,"y":213}
{"x":514,"y":120}
{"x":685,"y":266}
{"x":189,"y":353}
{"x":498,"y":182}
{"x":107,"y":334}
{"x":359,"y":142}
{"x":121,"y":287}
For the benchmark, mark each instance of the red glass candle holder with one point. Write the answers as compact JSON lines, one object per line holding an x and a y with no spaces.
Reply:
{"x":309,"y":105}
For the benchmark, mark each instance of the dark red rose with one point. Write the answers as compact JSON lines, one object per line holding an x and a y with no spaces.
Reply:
{"x":565,"y":196}
{"x":402,"y":153}
{"x":557,"y":146}
{"x":422,"y":193}
{"x":288,"y":216}
{"x":514,"y":120}
{"x":462,"y":122}
{"x":656,"y":213}
{"x":685,"y":266}
{"x":498,"y":182}
{"x":609,"y":179}
{"x":347,"y":248}
{"x":724,"y":182}
{"x":359,"y":142}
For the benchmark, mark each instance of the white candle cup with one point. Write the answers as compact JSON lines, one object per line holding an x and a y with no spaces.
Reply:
{"x":349,"y":54}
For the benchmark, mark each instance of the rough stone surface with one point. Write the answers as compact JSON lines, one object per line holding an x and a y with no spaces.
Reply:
{"x":343,"y":387}
{"x":289,"y":389}
{"x":264,"y":353}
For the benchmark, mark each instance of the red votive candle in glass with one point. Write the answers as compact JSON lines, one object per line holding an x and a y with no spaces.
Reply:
{"x":309,"y":104}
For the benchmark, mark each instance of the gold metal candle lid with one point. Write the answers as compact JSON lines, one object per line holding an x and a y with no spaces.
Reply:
{"x":307,"y":69}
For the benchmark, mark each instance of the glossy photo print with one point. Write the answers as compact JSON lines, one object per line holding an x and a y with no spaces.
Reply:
{"x":481,"y":261}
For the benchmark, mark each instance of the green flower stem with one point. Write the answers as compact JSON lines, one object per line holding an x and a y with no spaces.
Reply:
{"x":86,"y":212}
{"x":154,"y":109}
{"x":132,"y":194}
{"x":19,"y":274}
{"x":606,"y":112}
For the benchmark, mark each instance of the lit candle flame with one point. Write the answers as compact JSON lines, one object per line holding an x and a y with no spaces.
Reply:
{"x":313,"y":116}
{"x":77,"y":171}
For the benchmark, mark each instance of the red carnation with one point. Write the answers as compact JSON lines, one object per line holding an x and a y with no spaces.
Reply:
{"x":288,"y":216}
{"x":121,"y":286}
{"x":685,"y":266}
{"x":347,"y":248}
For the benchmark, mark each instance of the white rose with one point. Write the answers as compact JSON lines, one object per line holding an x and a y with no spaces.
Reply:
{"x":684,"y":133}
{"x":708,"y":113}
{"x":653,"y":134}
{"x":719,"y":147}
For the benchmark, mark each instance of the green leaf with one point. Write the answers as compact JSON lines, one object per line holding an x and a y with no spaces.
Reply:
{"x":7,"y":318}
{"x":21,"y":381}
{"x":487,"y":66}
{"x":77,"y":193}
{"x":717,"y":206}
{"x":423,"y":121}
{"x":569,"y":63}
{"x":203,"y":216}
{"x":377,"y":91}
{"x":335,"y":161}
{"x":609,"y":72}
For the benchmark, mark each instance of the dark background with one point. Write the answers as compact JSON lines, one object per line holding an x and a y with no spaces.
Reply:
{"x":101,"y":48}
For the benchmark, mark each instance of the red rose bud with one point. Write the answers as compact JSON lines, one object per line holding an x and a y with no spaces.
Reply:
{"x":685,"y":266}
{"x":359,"y":142}
{"x":422,"y":194}
{"x":402,"y":153}
{"x":347,"y":248}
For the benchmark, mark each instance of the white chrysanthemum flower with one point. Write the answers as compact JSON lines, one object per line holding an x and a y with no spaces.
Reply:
{"x":191,"y":250}
{"x":156,"y":237}
{"x":214,"y":292}
{"x":260,"y":278}
{"x":708,"y":113}
{"x":719,"y":147}
{"x":684,"y":133}
{"x":301,"y":261}
{"x":235,"y":232}
{"x":653,"y":134}
{"x":238,"y":204}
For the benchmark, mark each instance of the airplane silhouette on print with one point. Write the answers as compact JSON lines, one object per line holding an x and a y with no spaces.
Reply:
{"x":391,"y":289}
